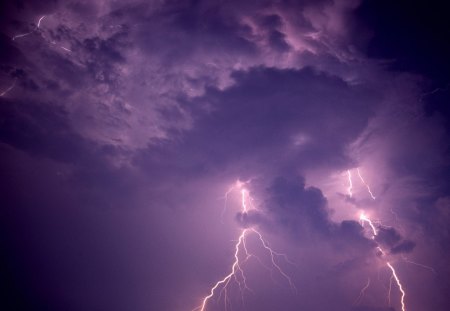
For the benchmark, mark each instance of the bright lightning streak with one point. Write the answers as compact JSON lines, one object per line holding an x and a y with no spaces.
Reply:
{"x":8,"y":89}
{"x":234,"y":268}
{"x":237,"y":273}
{"x":244,"y":205}
{"x":350,"y":184}
{"x":39,"y":21}
{"x":237,"y":185}
{"x":399,"y":284}
{"x":365,"y":184}
{"x":29,"y":33}
{"x":363,"y":292}
{"x":272,"y":258}
{"x":34,"y":30}
{"x":363,"y":218}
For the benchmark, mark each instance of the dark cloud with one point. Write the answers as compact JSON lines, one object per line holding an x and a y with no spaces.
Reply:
{"x":251,"y":219}
{"x":349,"y":236}
{"x":298,"y":131}
{"x":291,"y":208}
{"x":41,"y":130}
{"x":300,"y":211}
{"x":272,"y":21}
{"x":390,"y":238}
{"x":405,"y":246}
{"x":387,"y":236}
{"x":302,"y":214}
{"x":128,"y":66}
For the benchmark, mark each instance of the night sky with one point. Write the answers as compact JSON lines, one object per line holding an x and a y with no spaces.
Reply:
{"x":149,"y":149}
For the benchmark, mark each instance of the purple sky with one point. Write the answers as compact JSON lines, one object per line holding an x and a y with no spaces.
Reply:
{"x":124,"y":123}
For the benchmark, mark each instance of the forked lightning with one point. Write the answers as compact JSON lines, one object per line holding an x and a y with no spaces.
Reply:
{"x":241,"y":256}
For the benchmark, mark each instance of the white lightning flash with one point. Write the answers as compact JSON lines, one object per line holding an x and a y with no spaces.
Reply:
{"x":38,"y":25}
{"x":350,"y":184}
{"x":32,"y":31}
{"x":363,"y":218}
{"x":399,"y":284}
{"x":237,"y":185}
{"x":242,"y":255}
{"x":365,"y":184}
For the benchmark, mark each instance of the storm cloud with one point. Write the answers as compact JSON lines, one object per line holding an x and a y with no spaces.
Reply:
{"x":128,"y":130}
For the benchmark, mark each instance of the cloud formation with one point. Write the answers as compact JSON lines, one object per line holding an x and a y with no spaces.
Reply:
{"x":128,"y":121}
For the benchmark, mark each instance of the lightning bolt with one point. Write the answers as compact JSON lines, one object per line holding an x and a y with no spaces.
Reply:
{"x":38,"y":25}
{"x":237,"y":185}
{"x":369,"y":191}
{"x":363,"y":292}
{"x":29,"y":33}
{"x":399,"y":284}
{"x":242,"y":255}
{"x":350,"y":184}
{"x":235,"y":269}
{"x":363,"y":218}
{"x":243,"y":201}
{"x":274,"y":254}
{"x":8,"y":89}
{"x":61,"y":47}
{"x":365,"y":184}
